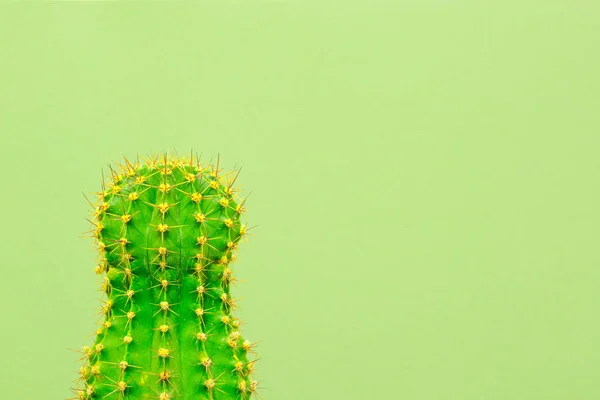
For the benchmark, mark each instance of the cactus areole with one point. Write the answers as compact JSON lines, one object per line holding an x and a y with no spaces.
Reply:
{"x":167,"y":230}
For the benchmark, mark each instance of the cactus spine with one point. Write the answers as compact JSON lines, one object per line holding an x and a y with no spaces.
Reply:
{"x":166,"y":230}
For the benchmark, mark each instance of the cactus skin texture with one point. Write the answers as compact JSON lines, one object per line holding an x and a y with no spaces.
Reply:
{"x":166,"y":230}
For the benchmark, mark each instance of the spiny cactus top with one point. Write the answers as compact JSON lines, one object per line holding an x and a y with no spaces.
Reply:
{"x":166,"y":231}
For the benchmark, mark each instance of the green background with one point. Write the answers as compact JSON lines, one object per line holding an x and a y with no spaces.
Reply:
{"x":424,"y":176}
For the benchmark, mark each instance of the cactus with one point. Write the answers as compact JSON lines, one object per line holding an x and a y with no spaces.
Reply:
{"x":166,"y":230}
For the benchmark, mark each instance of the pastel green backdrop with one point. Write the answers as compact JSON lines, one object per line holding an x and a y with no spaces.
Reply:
{"x":424,"y":176}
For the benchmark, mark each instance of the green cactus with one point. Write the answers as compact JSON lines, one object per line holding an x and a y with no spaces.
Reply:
{"x":166,"y":230}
